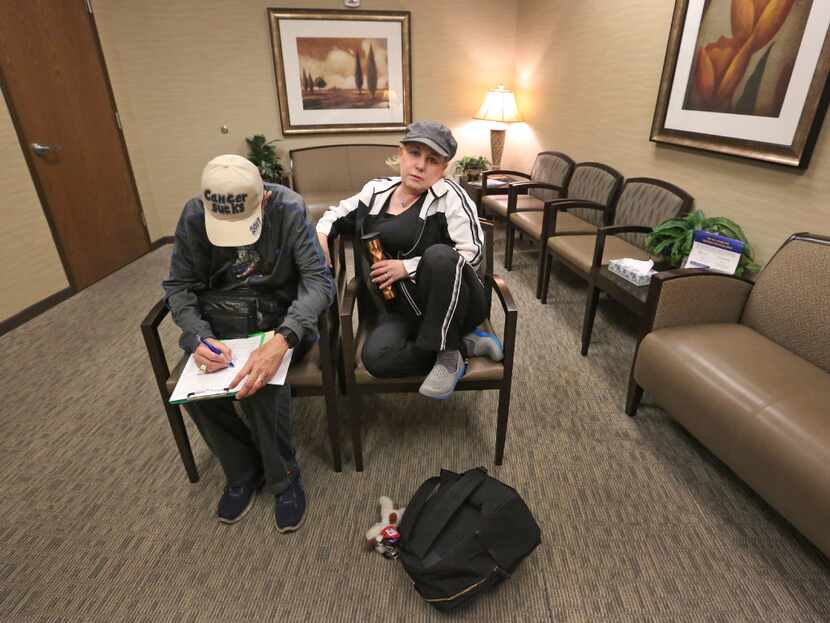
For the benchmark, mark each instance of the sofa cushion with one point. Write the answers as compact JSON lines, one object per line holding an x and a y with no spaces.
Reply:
{"x":757,"y":406}
{"x":579,"y":250}
{"x":790,"y":296}
{"x":531,"y":223}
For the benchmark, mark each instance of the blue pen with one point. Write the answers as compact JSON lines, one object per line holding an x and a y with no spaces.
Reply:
{"x":213,"y":349}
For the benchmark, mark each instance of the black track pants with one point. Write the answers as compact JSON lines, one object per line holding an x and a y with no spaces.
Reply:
{"x":450,"y":301}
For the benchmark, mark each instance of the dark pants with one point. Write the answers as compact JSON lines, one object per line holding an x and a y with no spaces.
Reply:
{"x":259,"y":444}
{"x":451,"y":301}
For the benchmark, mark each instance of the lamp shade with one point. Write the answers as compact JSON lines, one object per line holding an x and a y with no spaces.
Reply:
{"x":499,"y":105}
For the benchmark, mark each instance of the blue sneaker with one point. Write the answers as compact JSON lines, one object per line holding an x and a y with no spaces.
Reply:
{"x":289,"y":509}
{"x":482,"y":344}
{"x":236,"y":501}
{"x":440,"y":383}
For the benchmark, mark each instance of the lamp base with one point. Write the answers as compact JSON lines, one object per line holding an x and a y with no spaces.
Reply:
{"x":497,"y":146}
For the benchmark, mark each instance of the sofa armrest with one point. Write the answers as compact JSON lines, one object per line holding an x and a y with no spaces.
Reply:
{"x":554,"y":206}
{"x":602,"y":232}
{"x":694,"y":296}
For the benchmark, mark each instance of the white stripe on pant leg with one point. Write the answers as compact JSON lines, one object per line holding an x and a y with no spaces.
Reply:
{"x":456,"y":291}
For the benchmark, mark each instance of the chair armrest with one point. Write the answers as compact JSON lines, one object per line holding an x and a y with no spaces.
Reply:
{"x":152,"y":341}
{"x":347,"y":330}
{"x":155,"y":316}
{"x":695,"y":296}
{"x":554,"y":206}
{"x":602,"y":232}
{"x":501,"y":188}
{"x":505,"y":172}
{"x":515,"y":187}
{"x":511,"y":316}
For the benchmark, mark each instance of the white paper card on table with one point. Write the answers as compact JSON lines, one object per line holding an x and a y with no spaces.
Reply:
{"x":715,"y":252}
{"x":194,"y":384}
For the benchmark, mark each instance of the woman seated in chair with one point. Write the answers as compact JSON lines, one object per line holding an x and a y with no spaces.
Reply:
{"x":424,"y":300}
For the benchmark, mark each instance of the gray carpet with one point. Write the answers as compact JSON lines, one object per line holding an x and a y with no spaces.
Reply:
{"x":640,"y":522}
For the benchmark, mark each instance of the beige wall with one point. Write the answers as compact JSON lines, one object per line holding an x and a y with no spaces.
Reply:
{"x":180,"y":70}
{"x":31,"y":268}
{"x":588,"y":74}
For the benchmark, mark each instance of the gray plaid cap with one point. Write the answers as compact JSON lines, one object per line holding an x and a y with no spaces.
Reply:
{"x":434,"y":135}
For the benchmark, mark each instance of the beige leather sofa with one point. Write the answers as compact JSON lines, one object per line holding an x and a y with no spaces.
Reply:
{"x":325,"y":174}
{"x":746,"y":369}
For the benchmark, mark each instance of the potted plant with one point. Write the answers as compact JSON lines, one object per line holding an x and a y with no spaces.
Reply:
{"x":671,"y":241}
{"x":263,"y":154}
{"x":470,"y":167}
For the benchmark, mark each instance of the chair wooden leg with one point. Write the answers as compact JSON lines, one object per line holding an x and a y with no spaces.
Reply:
{"x":546,"y":277}
{"x":510,"y":235}
{"x":356,"y":405}
{"x":540,"y":269}
{"x":632,"y":400}
{"x":333,"y":417}
{"x":501,"y":425}
{"x":588,"y":321}
{"x":174,"y":416}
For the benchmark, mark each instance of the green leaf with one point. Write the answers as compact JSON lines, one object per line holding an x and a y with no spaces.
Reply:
{"x":746,"y":103}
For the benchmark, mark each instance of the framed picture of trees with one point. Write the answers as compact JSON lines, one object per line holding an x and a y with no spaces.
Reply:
{"x":342,"y":71}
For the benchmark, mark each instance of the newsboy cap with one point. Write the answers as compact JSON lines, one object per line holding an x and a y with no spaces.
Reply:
{"x":434,"y":135}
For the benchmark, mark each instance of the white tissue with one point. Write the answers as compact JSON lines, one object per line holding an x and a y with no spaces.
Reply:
{"x":638,"y":267}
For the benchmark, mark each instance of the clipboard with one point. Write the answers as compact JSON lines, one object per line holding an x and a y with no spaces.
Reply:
{"x":194,"y":385}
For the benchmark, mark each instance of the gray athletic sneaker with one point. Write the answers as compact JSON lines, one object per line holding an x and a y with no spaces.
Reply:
{"x":445,"y":374}
{"x":482,"y":344}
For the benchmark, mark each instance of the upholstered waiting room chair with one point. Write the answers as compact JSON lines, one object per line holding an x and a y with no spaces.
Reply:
{"x":313,"y":376}
{"x":482,"y":373}
{"x":548,"y":179}
{"x":643,"y":203}
{"x":590,"y":184}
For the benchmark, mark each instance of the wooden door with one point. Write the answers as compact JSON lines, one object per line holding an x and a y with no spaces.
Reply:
{"x":55,"y":83}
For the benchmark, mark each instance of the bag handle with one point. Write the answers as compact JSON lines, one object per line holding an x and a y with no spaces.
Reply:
{"x":455,"y":496}
{"x":416,"y":505}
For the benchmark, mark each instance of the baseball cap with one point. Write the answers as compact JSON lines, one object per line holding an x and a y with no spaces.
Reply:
{"x":434,"y":135}
{"x":232,"y":192}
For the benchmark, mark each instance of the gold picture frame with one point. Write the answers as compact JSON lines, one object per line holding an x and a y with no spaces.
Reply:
{"x":760,"y":93}
{"x":342,"y":71}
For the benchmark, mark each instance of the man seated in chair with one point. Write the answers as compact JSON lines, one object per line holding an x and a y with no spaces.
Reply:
{"x":246,"y":259}
{"x":433,"y":244}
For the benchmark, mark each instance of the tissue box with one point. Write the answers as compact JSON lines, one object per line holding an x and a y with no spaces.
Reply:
{"x":637,"y":279}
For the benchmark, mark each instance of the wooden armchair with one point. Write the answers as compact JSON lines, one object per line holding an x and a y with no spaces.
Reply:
{"x":592,"y":183}
{"x":642,"y":204}
{"x":482,"y":373}
{"x":313,"y":376}
{"x":548,"y":179}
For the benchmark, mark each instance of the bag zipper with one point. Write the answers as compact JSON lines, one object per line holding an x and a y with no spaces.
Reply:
{"x":464,"y":592}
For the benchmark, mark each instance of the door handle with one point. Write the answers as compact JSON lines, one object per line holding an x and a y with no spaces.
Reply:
{"x":43,"y":150}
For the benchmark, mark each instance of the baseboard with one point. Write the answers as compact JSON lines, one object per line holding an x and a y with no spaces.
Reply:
{"x":161,"y":242}
{"x":34,"y":310}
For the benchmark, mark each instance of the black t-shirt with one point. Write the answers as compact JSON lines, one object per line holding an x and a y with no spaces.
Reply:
{"x":397,"y":231}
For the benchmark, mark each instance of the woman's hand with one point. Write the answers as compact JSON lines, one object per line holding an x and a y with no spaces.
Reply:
{"x":207,"y":361}
{"x":261,"y":366}
{"x":386,"y":272}
{"x":324,"y":244}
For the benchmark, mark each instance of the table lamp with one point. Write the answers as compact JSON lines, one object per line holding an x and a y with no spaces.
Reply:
{"x":499,"y":105}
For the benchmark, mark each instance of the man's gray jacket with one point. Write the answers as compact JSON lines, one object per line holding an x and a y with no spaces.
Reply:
{"x":295,"y":276}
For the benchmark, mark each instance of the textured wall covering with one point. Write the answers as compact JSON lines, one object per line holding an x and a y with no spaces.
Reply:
{"x":182,"y":69}
{"x":31,"y":268}
{"x":587,"y":75}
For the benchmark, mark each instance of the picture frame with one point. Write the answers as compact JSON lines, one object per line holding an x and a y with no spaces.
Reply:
{"x":746,"y":85}
{"x":342,"y":71}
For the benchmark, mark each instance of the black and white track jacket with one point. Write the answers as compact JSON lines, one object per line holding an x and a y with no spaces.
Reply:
{"x":447,"y":216}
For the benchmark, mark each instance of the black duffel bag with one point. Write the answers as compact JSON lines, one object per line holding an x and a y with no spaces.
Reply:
{"x":462,"y":535}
